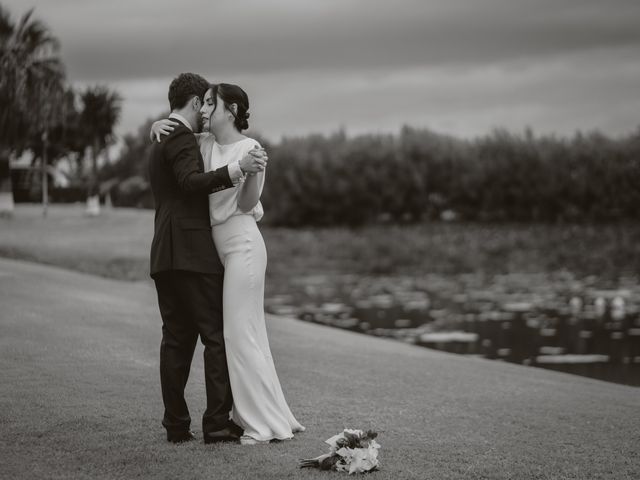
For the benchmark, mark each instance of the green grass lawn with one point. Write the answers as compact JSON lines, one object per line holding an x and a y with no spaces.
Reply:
{"x":80,"y":394}
{"x":80,"y":398}
{"x":116,"y":245}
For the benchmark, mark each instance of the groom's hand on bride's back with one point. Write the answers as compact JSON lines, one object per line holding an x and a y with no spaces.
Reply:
{"x":255,"y":161}
{"x":161,"y":127}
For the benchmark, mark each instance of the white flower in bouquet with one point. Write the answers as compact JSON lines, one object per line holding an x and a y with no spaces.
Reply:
{"x":363,"y":459}
{"x":352,"y":451}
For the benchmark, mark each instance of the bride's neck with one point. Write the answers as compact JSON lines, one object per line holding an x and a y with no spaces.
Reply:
{"x":228,"y":134}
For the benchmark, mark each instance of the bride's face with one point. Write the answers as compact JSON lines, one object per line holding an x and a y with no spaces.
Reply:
{"x":207,"y":110}
{"x":220,"y":117}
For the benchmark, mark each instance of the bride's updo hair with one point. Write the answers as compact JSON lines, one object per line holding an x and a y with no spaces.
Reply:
{"x":233,"y":94}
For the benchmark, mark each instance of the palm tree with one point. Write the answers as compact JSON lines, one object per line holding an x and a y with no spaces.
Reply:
{"x":65,"y":137}
{"x":100,"y":114}
{"x":31,"y":84}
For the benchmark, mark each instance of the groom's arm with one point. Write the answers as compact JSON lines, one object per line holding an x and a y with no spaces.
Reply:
{"x":181,"y":149}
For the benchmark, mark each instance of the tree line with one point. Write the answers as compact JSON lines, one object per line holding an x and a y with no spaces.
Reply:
{"x":421,"y":175}
{"x":39,"y":110}
{"x":417,"y":175}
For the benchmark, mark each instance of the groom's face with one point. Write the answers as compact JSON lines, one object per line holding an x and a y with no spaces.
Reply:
{"x":196,"y":105}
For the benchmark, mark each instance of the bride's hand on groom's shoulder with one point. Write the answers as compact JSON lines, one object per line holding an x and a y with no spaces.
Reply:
{"x":161,"y":127}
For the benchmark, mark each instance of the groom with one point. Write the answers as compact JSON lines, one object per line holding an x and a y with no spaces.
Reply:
{"x":185,"y":266}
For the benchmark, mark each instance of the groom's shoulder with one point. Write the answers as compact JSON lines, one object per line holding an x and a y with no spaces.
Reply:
{"x":180,"y":131}
{"x":180,"y":135}
{"x":179,"y":139}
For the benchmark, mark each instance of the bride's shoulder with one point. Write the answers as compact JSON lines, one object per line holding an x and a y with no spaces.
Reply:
{"x":250,"y":143}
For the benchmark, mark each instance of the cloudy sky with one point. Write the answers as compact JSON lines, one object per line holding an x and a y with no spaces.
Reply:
{"x":456,"y":66}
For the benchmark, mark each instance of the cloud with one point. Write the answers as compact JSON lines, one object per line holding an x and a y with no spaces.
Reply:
{"x":588,"y":90}
{"x":145,"y":38}
{"x":457,"y":66}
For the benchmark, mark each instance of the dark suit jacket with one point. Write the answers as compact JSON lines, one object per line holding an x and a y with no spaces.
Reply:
{"x":182,"y":232}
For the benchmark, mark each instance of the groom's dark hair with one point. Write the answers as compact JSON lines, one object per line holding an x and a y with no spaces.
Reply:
{"x":184,"y":87}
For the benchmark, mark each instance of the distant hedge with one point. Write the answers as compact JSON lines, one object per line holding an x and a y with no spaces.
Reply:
{"x":418,"y":175}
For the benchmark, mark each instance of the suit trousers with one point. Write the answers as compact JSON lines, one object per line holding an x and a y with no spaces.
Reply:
{"x":191,"y":305}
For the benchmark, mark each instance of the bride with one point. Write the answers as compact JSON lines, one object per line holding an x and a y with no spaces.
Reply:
{"x":259,"y":406}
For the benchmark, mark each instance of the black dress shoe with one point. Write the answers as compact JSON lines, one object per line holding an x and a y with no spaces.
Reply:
{"x":224,"y":435}
{"x":235,"y":428}
{"x":181,"y":437}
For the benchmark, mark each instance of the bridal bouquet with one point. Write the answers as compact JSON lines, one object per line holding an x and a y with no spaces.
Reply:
{"x":352,"y":451}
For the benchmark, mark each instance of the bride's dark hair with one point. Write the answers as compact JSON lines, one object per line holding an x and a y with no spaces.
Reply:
{"x":233,"y":94}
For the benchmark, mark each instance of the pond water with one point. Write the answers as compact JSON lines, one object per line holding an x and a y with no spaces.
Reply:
{"x":578,"y":326}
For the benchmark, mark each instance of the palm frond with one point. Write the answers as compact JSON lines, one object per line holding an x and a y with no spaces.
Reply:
{"x":32,"y":77}
{"x":6,"y":27}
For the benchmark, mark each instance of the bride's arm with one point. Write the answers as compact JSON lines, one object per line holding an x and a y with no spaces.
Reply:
{"x":161,"y":127}
{"x":250,"y":190}
{"x":166,"y":126}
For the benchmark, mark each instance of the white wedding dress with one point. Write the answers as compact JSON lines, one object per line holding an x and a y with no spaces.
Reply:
{"x":259,"y":406}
